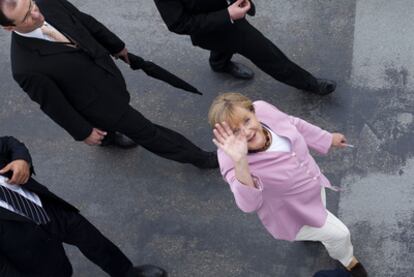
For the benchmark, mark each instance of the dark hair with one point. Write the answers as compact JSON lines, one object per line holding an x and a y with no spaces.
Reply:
{"x":4,"y":20}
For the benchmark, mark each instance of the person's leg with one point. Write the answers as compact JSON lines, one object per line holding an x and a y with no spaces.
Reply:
{"x":221,"y":44}
{"x":334,"y":235}
{"x":265,"y":55}
{"x":70,"y":227}
{"x":118,"y":140}
{"x":219,"y":59}
{"x":163,"y":141}
{"x":79,"y":232}
{"x":95,"y":246}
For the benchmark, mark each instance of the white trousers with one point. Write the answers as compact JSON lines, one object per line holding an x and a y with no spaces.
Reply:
{"x":334,"y":235}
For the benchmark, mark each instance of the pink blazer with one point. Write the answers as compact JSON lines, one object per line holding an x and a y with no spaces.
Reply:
{"x":288,"y":193}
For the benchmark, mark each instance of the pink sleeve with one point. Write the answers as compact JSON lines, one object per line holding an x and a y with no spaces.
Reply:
{"x":248,"y":199}
{"x":316,"y":138}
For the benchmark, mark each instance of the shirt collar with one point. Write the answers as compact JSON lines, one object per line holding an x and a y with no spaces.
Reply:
{"x":5,"y":184}
{"x":37,"y":33}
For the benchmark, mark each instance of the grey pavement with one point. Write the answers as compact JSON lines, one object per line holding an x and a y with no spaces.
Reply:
{"x":185,"y":219}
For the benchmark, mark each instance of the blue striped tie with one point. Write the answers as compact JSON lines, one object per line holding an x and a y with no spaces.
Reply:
{"x":24,"y":206}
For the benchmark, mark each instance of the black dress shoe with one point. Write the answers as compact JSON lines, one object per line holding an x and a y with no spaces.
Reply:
{"x":237,"y":70}
{"x":146,"y":271}
{"x":358,"y":271}
{"x":324,"y":87}
{"x":209,"y":162}
{"x":119,"y":140}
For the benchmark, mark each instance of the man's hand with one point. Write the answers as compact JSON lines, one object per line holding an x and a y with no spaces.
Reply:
{"x":96,"y":137}
{"x":338,"y":140}
{"x":21,"y":172}
{"x":123,"y":55}
{"x":238,"y":9}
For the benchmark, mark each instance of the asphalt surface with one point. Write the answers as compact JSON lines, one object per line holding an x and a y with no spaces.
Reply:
{"x":184,"y":219}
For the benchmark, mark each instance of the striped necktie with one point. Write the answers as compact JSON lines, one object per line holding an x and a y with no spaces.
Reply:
{"x":24,"y":206}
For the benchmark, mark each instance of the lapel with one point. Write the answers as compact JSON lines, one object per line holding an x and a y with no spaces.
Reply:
{"x":43,"y":47}
{"x":37,"y":188}
{"x":61,"y":21}
{"x":279,"y":130}
{"x":281,"y":127}
{"x":66,"y":23}
{"x":71,"y":27}
{"x":11,"y":216}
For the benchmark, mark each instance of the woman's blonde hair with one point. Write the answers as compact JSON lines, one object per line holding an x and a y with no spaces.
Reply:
{"x":223,"y":107}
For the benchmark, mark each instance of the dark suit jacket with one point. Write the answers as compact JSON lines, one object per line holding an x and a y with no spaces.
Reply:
{"x":78,"y":88}
{"x":25,"y":248}
{"x":197,"y":18}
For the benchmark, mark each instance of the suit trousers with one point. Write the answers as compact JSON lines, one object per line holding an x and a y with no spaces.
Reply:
{"x":159,"y":140}
{"x":72,"y":228}
{"x":243,"y":38}
{"x":334,"y":235}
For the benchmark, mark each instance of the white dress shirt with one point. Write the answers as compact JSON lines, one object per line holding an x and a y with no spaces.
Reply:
{"x":20,"y":190}
{"x":36,"y":34}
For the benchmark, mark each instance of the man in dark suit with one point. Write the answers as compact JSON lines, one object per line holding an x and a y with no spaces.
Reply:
{"x":34,"y":223}
{"x":220,"y":26}
{"x":61,"y":57}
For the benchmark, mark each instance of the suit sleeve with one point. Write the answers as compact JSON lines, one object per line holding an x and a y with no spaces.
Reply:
{"x":102,"y":34}
{"x":14,"y":149}
{"x":47,"y":94}
{"x":248,"y":199}
{"x":180,"y":21}
{"x":7,"y":269}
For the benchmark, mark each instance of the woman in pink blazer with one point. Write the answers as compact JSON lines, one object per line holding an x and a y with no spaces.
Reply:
{"x":264,"y":157}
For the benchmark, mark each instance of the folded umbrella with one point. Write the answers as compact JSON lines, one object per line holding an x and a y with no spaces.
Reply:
{"x":156,"y":71}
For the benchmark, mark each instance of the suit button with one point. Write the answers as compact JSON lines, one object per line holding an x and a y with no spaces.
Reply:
{"x":301,"y":164}
{"x":314,"y":178}
{"x":293,"y":154}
